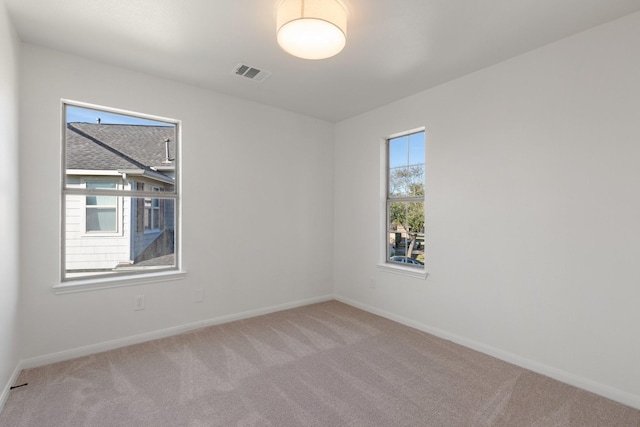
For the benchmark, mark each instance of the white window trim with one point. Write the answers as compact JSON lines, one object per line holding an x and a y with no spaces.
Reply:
{"x":383,"y":264}
{"x":113,"y":281}
{"x":66,"y":285}
{"x":418,"y":273}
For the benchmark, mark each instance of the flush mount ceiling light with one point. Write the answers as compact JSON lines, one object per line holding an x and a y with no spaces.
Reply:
{"x":312,"y":29}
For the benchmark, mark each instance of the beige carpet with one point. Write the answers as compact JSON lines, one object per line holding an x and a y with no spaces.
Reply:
{"x":322,"y":365}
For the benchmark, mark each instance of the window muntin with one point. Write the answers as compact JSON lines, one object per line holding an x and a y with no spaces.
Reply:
{"x":405,"y":200}
{"x":120,"y":193}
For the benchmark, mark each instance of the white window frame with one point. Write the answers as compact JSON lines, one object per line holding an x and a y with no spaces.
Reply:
{"x":419,"y":272}
{"x":87,"y":283}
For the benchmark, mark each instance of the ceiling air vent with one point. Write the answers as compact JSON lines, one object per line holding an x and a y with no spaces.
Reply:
{"x":251,"y":73}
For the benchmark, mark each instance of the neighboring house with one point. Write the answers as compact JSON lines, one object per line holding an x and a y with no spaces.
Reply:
{"x":104,"y":232}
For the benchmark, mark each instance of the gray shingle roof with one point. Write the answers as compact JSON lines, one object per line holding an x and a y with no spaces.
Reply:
{"x":118,"y":147}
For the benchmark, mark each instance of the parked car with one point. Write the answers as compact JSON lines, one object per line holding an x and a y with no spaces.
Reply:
{"x":405,"y":260}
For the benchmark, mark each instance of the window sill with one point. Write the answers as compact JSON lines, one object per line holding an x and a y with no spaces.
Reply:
{"x":418,"y":273}
{"x":114,"y":282}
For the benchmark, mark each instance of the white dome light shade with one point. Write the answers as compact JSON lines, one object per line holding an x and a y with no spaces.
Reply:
{"x":312,"y":29}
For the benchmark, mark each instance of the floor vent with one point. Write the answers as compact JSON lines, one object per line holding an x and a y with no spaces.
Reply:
{"x":251,"y":73}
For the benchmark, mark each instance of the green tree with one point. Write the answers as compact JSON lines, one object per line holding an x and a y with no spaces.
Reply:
{"x":407,"y":185}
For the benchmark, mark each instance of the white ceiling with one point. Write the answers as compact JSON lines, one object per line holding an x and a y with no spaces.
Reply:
{"x":394,"y":47}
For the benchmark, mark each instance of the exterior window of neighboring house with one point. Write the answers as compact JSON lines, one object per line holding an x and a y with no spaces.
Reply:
{"x":101,"y":212}
{"x":405,"y":200}
{"x":120,"y":196}
{"x":152,"y":212}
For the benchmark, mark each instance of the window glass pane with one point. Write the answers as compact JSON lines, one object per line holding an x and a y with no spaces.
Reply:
{"x":102,"y":185}
{"x":416,"y":149}
{"x":117,"y":233}
{"x":406,"y":231}
{"x":399,"y":182}
{"x":152,"y":214}
{"x":156,"y":218}
{"x":398,"y":152}
{"x":101,"y":201}
{"x":406,"y":166}
{"x":406,"y":181}
{"x":129,"y":251}
{"x":397,"y":243}
{"x":415,"y":217}
{"x":101,"y":219}
{"x":153,"y":248}
{"x":416,"y":180}
{"x":107,"y":142}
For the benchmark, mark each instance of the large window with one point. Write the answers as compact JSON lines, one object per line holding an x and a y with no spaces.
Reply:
{"x":405,"y":195}
{"x":119,"y":194}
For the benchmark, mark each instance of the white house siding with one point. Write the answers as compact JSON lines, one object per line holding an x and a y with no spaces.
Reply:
{"x":89,"y":252}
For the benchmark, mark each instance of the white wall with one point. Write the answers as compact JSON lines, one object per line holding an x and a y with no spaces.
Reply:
{"x":533,"y":218}
{"x":9,"y":283}
{"x":533,"y":210}
{"x":257,"y":207}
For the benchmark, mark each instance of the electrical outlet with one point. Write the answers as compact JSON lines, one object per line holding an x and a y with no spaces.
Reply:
{"x":138,"y":302}
{"x":372,"y":283}
{"x":198,"y":295}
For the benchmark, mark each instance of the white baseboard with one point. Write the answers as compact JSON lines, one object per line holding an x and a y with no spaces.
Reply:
{"x":163,"y":333}
{"x":568,"y":378}
{"x":7,"y":388}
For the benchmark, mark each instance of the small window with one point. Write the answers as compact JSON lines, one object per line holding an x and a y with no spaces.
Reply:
{"x":405,"y":200}
{"x":120,"y":193}
{"x":152,"y":212}
{"x":101,"y":212}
